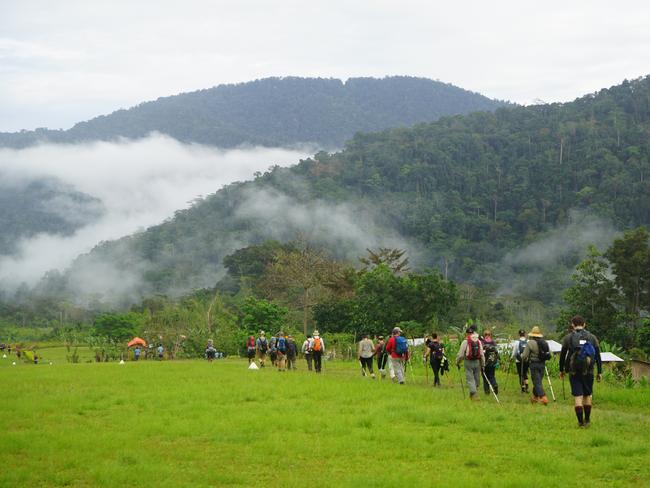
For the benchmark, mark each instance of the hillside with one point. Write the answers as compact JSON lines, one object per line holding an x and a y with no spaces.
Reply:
{"x":463,"y":193}
{"x":274,"y":112}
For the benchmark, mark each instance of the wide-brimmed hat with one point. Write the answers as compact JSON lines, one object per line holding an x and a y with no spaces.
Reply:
{"x":396,"y":330}
{"x":316,"y":333}
{"x":535,"y":332}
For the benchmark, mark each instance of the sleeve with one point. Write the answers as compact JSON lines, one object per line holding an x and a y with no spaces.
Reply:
{"x":322,"y":345}
{"x":390,"y":345}
{"x":564,"y":353}
{"x":462,"y":351}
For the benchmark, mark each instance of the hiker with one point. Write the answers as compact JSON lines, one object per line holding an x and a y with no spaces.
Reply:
{"x":306,"y":350}
{"x":281,"y":351}
{"x":136,"y":353}
{"x":261,"y":346}
{"x":250,"y":349}
{"x":471,"y":354}
{"x":536,"y":354}
{"x":210,"y":351}
{"x":160,"y":351}
{"x":491,"y":353}
{"x":317,"y":350}
{"x":365,"y":352}
{"x":292,"y":352}
{"x":580,"y":350}
{"x":522,"y":366}
{"x":381,"y":355}
{"x":273,"y":351}
{"x":397,"y":347}
{"x":436,"y":353}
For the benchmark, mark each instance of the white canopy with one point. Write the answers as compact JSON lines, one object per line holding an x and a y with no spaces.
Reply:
{"x":610,"y":357}
{"x":554,"y":346}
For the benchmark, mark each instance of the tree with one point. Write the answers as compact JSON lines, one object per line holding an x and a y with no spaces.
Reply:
{"x":263,"y":314}
{"x":118,"y":327}
{"x":393,"y":258}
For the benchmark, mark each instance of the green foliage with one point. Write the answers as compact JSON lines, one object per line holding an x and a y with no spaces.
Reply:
{"x":119,"y":327}
{"x":260,"y":314}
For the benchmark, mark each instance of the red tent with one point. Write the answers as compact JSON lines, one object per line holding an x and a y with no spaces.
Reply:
{"x":136,"y":341}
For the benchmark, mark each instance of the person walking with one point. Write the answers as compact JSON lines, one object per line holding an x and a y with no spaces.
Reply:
{"x":381,"y":355}
{"x":436,"y":353}
{"x":292,"y":352}
{"x":273,"y":350}
{"x":580,"y":353}
{"x":536,"y":354}
{"x":281,"y":351}
{"x":160,"y":351}
{"x":317,"y":350}
{"x":522,"y":366}
{"x":473,"y":358}
{"x":261,"y":348}
{"x":365,"y":352}
{"x":250,"y":349}
{"x":491,"y":353}
{"x":136,"y":353}
{"x":210,"y":351}
{"x":307,"y":351}
{"x":397,"y":348}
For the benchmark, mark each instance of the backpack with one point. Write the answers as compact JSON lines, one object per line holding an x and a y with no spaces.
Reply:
{"x":491,"y":354}
{"x":401,"y":345}
{"x":544,"y":351}
{"x":281,"y":344}
{"x":583,"y":353}
{"x":317,"y":345}
{"x":436,"y":349}
{"x":473,"y":349}
{"x":263,"y":344}
{"x":521,"y":345}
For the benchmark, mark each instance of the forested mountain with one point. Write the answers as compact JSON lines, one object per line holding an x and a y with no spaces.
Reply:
{"x":275,"y":112}
{"x":465,"y":191}
{"x":44,"y":205}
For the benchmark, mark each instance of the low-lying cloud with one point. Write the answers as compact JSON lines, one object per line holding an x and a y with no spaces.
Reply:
{"x":139,"y":183}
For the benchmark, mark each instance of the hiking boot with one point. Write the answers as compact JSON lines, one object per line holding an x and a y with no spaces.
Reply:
{"x":534,"y":400}
{"x":372,"y":375}
{"x":586,"y":424}
{"x":581,"y":425}
{"x":543,"y":400}
{"x":474,"y":397}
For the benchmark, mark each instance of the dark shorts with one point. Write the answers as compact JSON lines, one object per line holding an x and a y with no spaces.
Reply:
{"x":581,"y":385}
{"x":250,"y":353}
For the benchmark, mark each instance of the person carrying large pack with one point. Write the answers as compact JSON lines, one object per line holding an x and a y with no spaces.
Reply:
{"x":472,"y":355}
{"x":491,"y":353}
{"x":261,"y":347}
{"x":536,"y":354}
{"x":436,"y":352}
{"x":307,"y":351}
{"x":381,"y":355}
{"x":397,"y":347}
{"x":281,"y":351}
{"x":580,"y":353}
{"x":522,"y":366}
{"x":317,"y":351}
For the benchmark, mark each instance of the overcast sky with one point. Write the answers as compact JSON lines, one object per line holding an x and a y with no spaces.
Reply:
{"x":66,"y":61}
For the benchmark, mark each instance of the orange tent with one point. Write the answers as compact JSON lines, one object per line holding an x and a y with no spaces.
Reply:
{"x":136,"y":341}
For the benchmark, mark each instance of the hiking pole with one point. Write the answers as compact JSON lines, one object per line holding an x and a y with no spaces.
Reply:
{"x":491,"y":388}
{"x":548,"y":377}
{"x":461,"y":381}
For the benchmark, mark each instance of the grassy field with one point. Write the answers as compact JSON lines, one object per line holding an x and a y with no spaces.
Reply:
{"x":193,"y":423}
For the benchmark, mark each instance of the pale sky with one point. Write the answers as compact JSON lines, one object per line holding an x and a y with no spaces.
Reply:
{"x":66,"y":61}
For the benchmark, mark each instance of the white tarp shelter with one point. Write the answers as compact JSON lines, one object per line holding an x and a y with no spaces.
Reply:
{"x":554,"y":346}
{"x":610,"y":357}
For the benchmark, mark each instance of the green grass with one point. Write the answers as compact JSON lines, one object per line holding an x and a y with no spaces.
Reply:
{"x":192,"y":423}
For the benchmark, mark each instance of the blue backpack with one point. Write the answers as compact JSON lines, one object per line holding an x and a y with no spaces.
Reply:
{"x":281,"y":344}
{"x":401,"y":345}
{"x":583,"y":353}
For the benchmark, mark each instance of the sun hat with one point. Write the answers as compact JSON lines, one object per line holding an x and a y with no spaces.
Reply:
{"x":397,"y":329}
{"x":536,"y":332}
{"x":316,"y":334}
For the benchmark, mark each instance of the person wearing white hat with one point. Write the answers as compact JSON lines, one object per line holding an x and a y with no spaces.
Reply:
{"x":533,"y":356}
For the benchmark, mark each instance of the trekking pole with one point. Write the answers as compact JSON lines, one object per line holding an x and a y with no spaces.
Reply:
{"x":548,"y":377}
{"x":491,"y":388}
{"x":461,"y":381}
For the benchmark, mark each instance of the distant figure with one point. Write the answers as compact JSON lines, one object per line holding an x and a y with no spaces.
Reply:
{"x":281,"y":351}
{"x":273,"y":350}
{"x":136,"y":353}
{"x":580,"y":351}
{"x":261,"y":346}
{"x":397,"y":347}
{"x":250,"y":349}
{"x":522,"y":366}
{"x":491,"y":353}
{"x":292,"y":352}
{"x":365,"y":352}
{"x":381,"y":355}
{"x":317,"y":350}
{"x":471,"y":354}
{"x":160,"y":351}
{"x":536,"y":354}
{"x":307,"y":351}
{"x":210,"y":351}
{"x":35,"y":359}
{"x":436,"y":352}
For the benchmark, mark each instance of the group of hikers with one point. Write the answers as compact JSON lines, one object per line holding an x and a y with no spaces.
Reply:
{"x":479,"y":355}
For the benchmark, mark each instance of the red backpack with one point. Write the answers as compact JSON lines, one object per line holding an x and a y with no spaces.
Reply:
{"x":473,"y":349}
